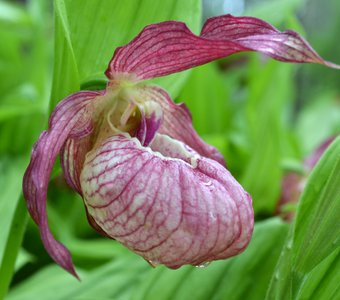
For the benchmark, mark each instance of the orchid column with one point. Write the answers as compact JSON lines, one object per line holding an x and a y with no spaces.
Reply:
{"x":147,"y":179}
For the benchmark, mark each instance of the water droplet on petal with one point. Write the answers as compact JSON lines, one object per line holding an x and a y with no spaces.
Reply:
{"x":203,"y":265}
{"x":212,"y":216}
{"x":153,"y":263}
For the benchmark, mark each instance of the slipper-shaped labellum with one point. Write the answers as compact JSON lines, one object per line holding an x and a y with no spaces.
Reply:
{"x":147,"y":179}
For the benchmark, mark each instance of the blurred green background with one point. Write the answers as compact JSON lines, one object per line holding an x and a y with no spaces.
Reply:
{"x":264,"y":116}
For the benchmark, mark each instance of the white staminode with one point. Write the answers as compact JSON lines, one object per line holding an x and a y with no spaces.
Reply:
{"x":171,"y":149}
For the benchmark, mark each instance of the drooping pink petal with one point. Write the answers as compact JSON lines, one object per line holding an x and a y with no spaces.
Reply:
{"x":171,"y":206}
{"x":177,"y":122}
{"x":66,"y":120}
{"x":170,"y":47}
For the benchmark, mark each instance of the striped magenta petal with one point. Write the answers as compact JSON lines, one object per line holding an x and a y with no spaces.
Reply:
{"x":170,"y":47}
{"x":166,"y":202}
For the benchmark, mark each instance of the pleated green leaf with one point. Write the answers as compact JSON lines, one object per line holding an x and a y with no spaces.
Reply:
{"x":208,"y":99}
{"x":65,"y":75}
{"x":270,"y":90}
{"x":13,"y":218}
{"x":88,"y":32}
{"x":111,"y":281}
{"x":309,"y":266}
{"x":130,"y":277}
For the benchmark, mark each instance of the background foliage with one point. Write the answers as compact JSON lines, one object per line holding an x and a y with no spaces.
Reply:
{"x":263,"y":115}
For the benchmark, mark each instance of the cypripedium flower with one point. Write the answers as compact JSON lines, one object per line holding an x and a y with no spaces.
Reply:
{"x":147,"y":179}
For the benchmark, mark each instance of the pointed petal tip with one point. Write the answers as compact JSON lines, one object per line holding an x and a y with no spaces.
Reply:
{"x":57,"y":251}
{"x":331,"y":65}
{"x":70,"y":269}
{"x":75,"y":274}
{"x":64,"y":260}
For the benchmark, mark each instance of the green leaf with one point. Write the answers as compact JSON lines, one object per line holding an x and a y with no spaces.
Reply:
{"x":227,"y":279}
{"x":88,"y":32}
{"x":13,"y":217}
{"x":130,"y":276}
{"x":24,"y":68}
{"x":323,"y":281}
{"x":110,"y":281}
{"x":44,"y":284}
{"x":275,"y":11}
{"x":270,"y":91}
{"x":24,"y":87}
{"x":207,"y":97}
{"x":24,"y":62}
{"x":10,"y":186}
{"x":15,"y":105}
{"x":23,"y":258}
{"x":65,"y":74}
{"x":317,"y":227}
{"x":307,"y":268}
{"x":13,"y":14}
{"x":312,"y":127}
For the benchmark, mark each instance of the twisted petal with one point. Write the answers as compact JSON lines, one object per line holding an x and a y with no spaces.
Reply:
{"x":166,"y":202}
{"x":177,"y":122}
{"x":170,"y":47}
{"x":68,"y":119}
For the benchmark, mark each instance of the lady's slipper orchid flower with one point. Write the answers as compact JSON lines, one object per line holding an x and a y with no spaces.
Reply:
{"x":146,"y":177}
